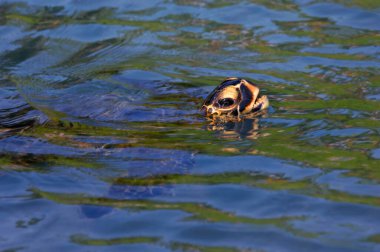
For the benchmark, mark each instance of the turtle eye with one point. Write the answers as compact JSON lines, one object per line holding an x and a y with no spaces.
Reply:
{"x":226,"y":102}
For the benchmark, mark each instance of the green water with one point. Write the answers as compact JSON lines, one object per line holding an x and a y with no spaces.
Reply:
{"x":103,"y":148}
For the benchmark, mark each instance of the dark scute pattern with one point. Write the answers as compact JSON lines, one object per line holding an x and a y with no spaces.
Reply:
{"x":247,"y":97}
{"x":223,"y":85}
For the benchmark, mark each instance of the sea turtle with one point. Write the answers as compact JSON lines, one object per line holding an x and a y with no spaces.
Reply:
{"x":234,"y":97}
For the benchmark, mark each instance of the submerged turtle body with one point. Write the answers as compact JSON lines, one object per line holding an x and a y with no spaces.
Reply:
{"x":234,"y":96}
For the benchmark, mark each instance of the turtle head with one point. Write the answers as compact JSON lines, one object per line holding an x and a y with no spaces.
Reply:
{"x":234,"y":96}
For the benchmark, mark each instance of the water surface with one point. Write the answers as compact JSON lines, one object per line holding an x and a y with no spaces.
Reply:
{"x":102,"y":147}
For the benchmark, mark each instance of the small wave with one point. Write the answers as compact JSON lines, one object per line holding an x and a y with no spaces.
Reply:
{"x":16,"y":114}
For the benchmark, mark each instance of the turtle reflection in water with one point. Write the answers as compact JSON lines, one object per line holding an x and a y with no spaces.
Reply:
{"x":234,"y":106}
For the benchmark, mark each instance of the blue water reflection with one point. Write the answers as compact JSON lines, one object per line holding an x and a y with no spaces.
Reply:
{"x":103,"y":147}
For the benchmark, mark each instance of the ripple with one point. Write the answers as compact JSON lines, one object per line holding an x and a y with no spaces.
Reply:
{"x":102,"y":143}
{"x":10,"y":35}
{"x":15,"y":113}
{"x":86,"y":32}
{"x":339,"y":132}
{"x":250,"y":15}
{"x":284,"y":39}
{"x":353,"y":17}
